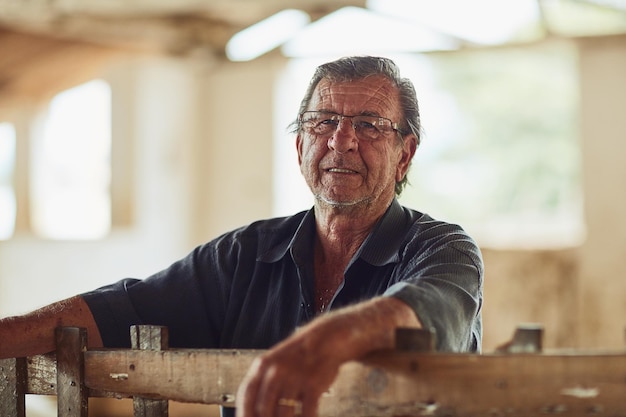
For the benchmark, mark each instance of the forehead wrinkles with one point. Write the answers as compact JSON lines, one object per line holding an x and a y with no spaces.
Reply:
{"x":372,"y":95}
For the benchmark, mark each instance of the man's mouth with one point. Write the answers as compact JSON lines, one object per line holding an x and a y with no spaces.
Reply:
{"x":341,"y":171}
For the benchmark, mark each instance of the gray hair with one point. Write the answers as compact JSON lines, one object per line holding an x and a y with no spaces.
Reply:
{"x":358,"y":68}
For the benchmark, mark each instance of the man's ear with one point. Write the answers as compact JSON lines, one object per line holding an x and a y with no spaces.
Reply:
{"x":299,"y":148}
{"x":409,"y":147}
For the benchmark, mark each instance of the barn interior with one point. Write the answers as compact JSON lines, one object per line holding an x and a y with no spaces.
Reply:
{"x":130,"y":132}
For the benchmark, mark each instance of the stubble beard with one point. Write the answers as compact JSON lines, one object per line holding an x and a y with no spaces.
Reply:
{"x":342,"y":204}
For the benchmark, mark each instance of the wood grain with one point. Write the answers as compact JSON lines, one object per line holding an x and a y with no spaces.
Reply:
{"x":389,"y":383}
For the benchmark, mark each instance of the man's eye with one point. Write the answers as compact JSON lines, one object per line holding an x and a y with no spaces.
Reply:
{"x":366,"y":126}
{"x":330,"y":122}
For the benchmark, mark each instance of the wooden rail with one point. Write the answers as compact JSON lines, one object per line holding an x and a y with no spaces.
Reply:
{"x":389,"y":383}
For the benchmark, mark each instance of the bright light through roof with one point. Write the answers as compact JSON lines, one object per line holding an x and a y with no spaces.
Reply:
{"x":266,"y":35}
{"x":486,"y":22}
{"x":353,"y":30}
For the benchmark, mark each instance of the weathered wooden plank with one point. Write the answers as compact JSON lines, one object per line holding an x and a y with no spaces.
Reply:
{"x":149,"y":338}
{"x":205,"y":376}
{"x":12,"y":387}
{"x":42,"y":378}
{"x":389,"y":383}
{"x":72,"y":395}
{"x":42,"y":374}
{"x":415,"y":340}
{"x":473,"y":385}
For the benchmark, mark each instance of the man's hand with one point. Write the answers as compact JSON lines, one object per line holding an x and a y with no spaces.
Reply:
{"x":289,"y":379}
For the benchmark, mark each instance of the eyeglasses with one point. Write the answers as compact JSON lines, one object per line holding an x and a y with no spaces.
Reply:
{"x":324,"y":124}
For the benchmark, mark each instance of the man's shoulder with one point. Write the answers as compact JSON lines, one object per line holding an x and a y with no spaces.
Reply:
{"x":425,"y":231}
{"x":271,"y":226}
{"x":261,"y":233}
{"x":428,"y":225}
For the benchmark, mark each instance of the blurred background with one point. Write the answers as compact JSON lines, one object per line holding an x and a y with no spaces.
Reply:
{"x":130,"y":132}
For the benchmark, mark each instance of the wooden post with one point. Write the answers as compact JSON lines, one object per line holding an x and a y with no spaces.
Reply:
{"x":72,"y":394}
{"x":528,"y":338}
{"x":415,"y":340}
{"x":12,"y":387}
{"x":149,"y":338}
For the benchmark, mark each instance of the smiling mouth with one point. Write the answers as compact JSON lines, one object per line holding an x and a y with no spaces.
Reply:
{"x":341,"y":171}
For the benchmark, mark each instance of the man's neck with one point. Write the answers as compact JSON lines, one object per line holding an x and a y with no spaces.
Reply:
{"x":342,"y":229}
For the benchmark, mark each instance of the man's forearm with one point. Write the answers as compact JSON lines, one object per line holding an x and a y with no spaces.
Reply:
{"x":363,"y":328}
{"x":33,"y":333}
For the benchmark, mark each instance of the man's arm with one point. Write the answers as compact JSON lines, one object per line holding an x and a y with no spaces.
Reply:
{"x":33,"y":333}
{"x":303,"y":366}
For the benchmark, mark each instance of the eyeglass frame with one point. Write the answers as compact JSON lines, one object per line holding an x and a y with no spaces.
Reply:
{"x":394,"y":126}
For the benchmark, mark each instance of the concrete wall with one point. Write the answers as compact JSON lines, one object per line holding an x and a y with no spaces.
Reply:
{"x":155,"y":196}
{"x":601,"y":308}
{"x":192,"y":158}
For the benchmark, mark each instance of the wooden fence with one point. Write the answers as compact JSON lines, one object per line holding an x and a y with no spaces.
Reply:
{"x":519,"y":380}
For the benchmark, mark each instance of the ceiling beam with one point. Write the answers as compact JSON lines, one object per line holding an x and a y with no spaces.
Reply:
{"x":171,"y":26}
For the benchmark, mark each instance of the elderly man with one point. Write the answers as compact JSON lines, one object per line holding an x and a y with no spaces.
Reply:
{"x":318,"y":288}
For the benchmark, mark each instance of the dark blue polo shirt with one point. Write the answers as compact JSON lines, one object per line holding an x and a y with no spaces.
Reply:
{"x":251,"y":287}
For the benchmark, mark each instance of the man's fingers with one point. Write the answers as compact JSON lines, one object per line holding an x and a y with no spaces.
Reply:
{"x":280,"y":386}
{"x":289,"y":406}
{"x":267,"y":393}
{"x":310,"y":405}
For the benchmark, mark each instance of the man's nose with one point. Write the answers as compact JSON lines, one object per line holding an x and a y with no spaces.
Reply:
{"x":344,"y":139}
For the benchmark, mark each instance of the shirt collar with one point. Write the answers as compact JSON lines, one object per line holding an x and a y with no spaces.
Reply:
{"x":300,"y":242}
{"x":381,"y":246}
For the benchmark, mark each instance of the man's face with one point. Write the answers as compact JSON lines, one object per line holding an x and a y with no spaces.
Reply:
{"x":342,"y":169}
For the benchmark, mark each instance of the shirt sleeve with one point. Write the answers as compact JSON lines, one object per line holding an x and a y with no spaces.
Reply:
{"x":441,"y":278}
{"x":113,"y":312}
{"x":174,"y":297}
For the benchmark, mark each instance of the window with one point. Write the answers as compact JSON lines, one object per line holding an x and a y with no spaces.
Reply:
{"x":71,"y":169}
{"x":7,"y":190}
{"x":501,"y":153}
